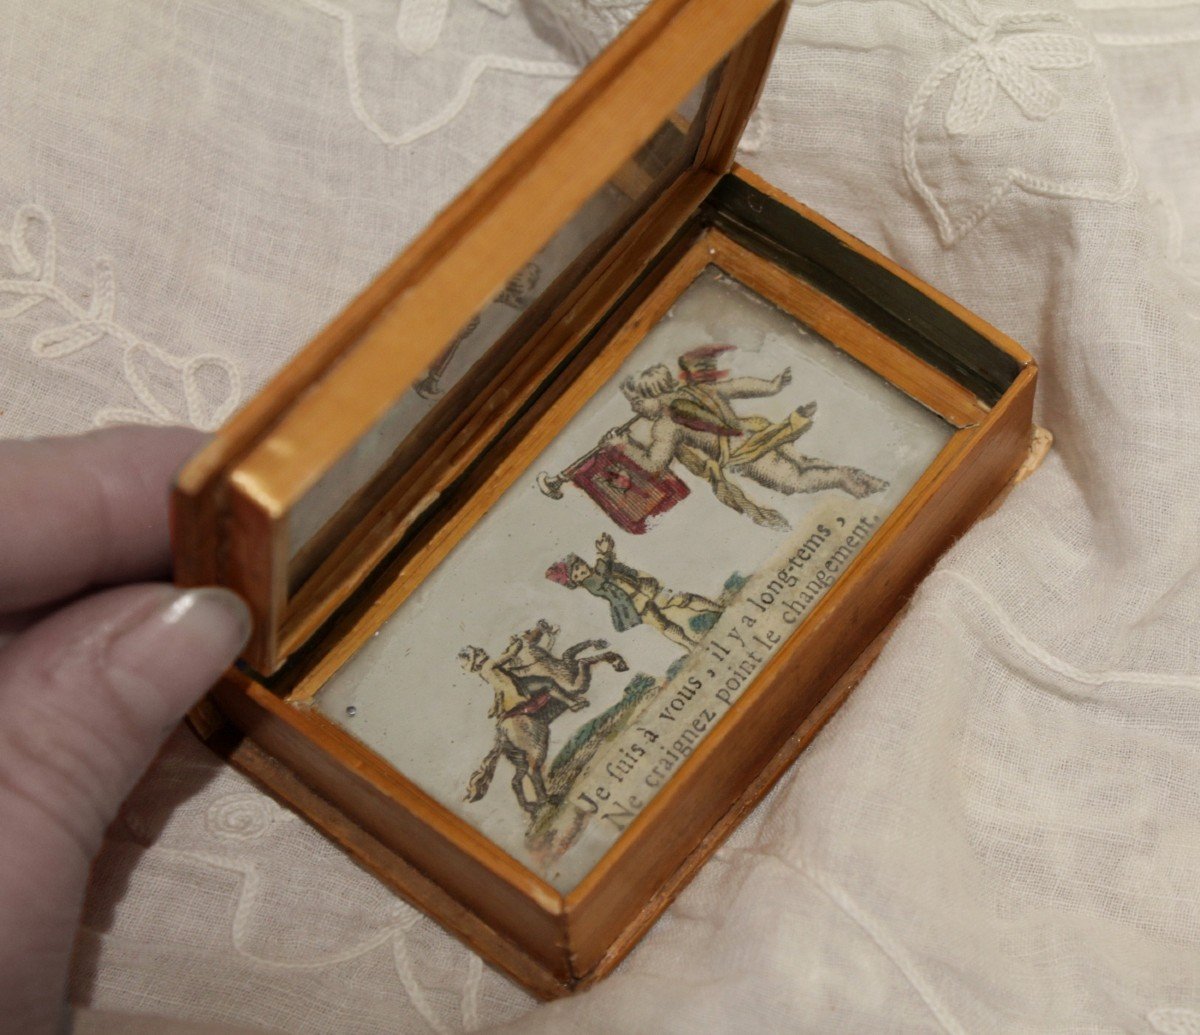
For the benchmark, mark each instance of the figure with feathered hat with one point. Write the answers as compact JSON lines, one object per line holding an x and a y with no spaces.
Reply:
{"x":635,"y":598}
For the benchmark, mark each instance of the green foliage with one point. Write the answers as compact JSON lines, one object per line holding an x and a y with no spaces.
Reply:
{"x":604,"y":723}
{"x":676,"y":665}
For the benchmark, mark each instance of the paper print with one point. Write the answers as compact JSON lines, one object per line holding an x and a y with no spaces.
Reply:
{"x":563,"y":662}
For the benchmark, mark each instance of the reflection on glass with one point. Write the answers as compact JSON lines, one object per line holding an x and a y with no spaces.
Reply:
{"x":562,"y":663}
{"x":323,"y":517}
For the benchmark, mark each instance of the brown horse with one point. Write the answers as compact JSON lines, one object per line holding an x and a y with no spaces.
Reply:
{"x":568,"y":671}
{"x":526,"y":699}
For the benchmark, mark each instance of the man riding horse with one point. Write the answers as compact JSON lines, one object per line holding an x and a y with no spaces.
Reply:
{"x":526,"y":699}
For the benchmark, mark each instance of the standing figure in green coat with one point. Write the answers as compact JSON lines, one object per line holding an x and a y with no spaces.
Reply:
{"x":635,"y":598}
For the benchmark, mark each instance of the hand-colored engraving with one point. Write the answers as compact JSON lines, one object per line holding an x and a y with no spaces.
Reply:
{"x":532,"y":686}
{"x":690,"y":418}
{"x":636,"y":598}
{"x":619,"y":485}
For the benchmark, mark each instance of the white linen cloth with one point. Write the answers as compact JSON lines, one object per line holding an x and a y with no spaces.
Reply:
{"x":1001,"y":830}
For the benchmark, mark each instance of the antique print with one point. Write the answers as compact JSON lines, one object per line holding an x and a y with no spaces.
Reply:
{"x":566,"y":659}
{"x":689,"y":417}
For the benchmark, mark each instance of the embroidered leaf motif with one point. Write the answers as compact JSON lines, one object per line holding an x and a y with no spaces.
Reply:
{"x":31,"y":247}
{"x":138,"y":362}
{"x":1002,"y":50}
{"x":205,"y":413}
{"x":1032,"y":93}
{"x":419,"y":23}
{"x":58,"y":342}
{"x":15,"y":299}
{"x":104,"y":292}
{"x":111,"y":415}
{"x":30,"y":222}
{"x":149,"y":371}
{"x":1047,"y":50}
{"x":972,"y":99}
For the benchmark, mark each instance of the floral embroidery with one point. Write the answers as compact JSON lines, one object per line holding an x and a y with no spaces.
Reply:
{"x":419,"y":22}
{"x":1174,"y":1020}
{"x":755,"y":135}
{"x":1004,"y":57}
{"x":419,"y":26}
{"x":234,"y":831}
{"x":1008,"y":62}
{"x":34,"y":284}
{"x":243,"y":817}
{"x":1187,"y":273}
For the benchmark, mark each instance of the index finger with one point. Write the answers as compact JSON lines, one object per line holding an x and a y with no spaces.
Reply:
{"x":86,"y":511}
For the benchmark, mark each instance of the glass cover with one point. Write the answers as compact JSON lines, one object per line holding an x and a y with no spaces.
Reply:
{"x":341,"y":498}
{"x":550,"y":676}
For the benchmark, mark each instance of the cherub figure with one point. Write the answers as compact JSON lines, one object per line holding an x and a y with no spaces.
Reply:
{"x":634,"y":597}
{"x":691,"y":418}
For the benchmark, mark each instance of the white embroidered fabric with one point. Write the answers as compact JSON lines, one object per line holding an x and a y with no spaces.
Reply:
{"x":1001,"y":829}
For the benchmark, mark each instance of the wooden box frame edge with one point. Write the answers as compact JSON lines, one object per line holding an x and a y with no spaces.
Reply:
{"x":425,"y":894}
{"x":392,"y":869}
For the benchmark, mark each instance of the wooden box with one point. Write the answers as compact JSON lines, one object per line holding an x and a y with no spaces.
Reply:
{"x":567,"y":535}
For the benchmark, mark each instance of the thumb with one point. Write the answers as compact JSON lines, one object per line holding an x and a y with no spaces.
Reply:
{"x":86,"y":698}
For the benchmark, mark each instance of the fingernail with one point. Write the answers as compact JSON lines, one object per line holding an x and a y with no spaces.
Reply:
{"x":193,"y":634}
{"x":219,"y":613}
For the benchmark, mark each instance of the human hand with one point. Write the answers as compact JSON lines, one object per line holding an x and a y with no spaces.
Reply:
{"x":615,"y":436}
{"x":605,"y":544}
{"x":97,"y":665}
{"x":781,"y":380}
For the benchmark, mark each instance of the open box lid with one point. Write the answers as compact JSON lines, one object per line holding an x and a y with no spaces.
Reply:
{"x":305,"y":491}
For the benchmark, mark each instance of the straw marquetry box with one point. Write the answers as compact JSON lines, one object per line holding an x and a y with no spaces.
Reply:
{"x":570,"y":532}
